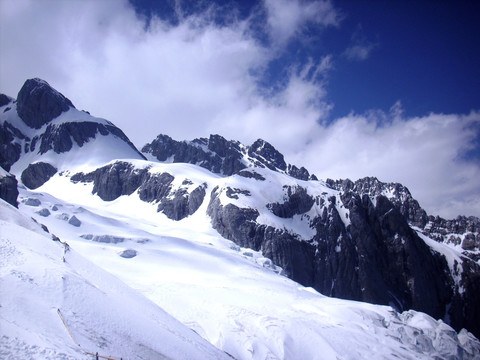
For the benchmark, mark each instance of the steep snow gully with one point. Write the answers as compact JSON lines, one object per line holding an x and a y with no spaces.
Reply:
{"x":211,"y":249}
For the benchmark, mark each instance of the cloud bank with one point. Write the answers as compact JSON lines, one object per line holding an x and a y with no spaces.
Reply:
{"x":198,"y":76}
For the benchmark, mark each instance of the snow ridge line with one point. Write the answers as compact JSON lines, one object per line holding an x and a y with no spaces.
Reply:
{"x":76,"y":343}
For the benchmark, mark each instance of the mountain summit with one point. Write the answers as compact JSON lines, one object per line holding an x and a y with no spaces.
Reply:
{"x":222,"y":156}
{"x":38,"y":103}
{"x":213,"y":221}
{"x":42,"y":133}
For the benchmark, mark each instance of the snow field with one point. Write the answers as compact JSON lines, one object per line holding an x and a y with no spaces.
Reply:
{"x":225,"y":293}
{"x":102,"y":313}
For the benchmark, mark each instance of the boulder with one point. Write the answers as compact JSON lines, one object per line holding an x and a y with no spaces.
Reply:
{"x":74,"y":221}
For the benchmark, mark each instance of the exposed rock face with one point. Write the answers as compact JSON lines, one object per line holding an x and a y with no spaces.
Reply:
{"x":239,"y":225}
{"x":222,"y":156}
{"x":60,"y":138}
{"x":395,"y":265}
{"x":182,"y":204}
{"x":298,"y":202}
{"x":215,"y":154}
{"x":4,"y":100}
{"x":114,"y":180}
{"x":10,"y":148}
{"x":38,"y":103}
{"x":267,"y":155}
{"x":398,"y":194}
{"x":464,"y":231}
{"x":122,"y":178}
{"x":37,"y":174}
{"x":371,"y":255}
{"x":8,"y":189}
{"x":250,"y":174}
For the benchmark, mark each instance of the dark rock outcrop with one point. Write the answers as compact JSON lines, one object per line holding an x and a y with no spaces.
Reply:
{"x":250,"y":174}
{"x":32,"y":202}
{"x":155,"y":187}
{"x":60,"y":138}
{"x":8,"y":189}
{"x":398,"y":194}
{"x":284,"y":249}
{"x":44,"y":212}
{"x":395,"y":266}
{"x":464,"y":231}
{"x":10,"y":148}
{"x":298,"y":202}
{"x":108,"y":239}
{"x":222,"y":156}
{"x":122,"y":178}
{"x":113,"y":181}
{"x":215,"y":154}
{"x":74,"y":221}
{"x":38,"y":103}
{"x":182,"y":204}
{"x":373,"y":255}
{"x":266,"y":155}
{"x":5,"y":100}
{"x":128,"y":253}
{"x":37,"y":174}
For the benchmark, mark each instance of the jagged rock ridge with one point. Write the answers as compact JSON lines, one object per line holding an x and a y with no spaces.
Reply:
{"x":222,"y":156}
{"x":463,"y":231}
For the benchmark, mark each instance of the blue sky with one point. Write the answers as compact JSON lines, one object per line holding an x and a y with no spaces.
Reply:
{"x":422,"y":53}
{"x":346,"y":88}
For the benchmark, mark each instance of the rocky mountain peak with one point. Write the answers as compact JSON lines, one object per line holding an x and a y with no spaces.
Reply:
{"x":398,"y":194}
{"x":222,"y":156}
{"x":4,"y":99}
{"x":271,"y":157}
{"x":38,"y":103}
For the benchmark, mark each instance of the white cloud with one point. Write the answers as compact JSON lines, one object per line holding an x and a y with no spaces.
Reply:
{"x":423,"y":153}
{"x":286,"y":18}
{"x":197,"y":78}
{"x":359,"y":52}
{"x":360,"y":48}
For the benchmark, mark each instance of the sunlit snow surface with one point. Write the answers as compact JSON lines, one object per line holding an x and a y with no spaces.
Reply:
{"x":233,"y":297}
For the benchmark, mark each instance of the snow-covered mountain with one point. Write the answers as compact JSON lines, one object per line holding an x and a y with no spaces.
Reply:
{"x":43,"y":127}
{"x":229,"y":240}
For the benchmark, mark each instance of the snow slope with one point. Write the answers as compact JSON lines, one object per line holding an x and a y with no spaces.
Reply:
{"x":233,"y":297}
{"x":41,"y":278}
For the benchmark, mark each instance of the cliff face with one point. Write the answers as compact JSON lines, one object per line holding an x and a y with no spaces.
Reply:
{"x":375,"y":256}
